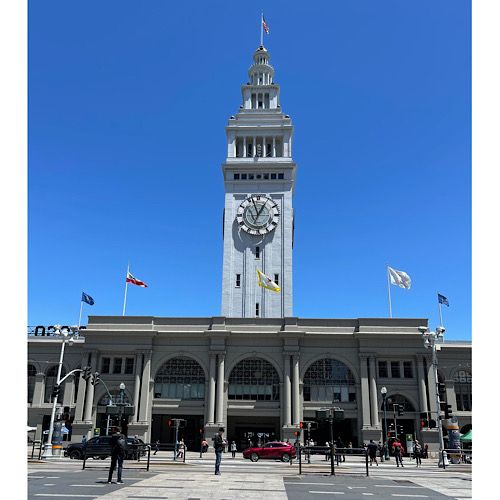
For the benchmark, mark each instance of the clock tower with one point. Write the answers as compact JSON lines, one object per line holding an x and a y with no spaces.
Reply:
{"x":259,"y":180}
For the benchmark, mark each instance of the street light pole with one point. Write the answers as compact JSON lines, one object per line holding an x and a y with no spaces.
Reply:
{"x":384,"y":396}
{"x":430,"y":339}
{"x":65,"y":335}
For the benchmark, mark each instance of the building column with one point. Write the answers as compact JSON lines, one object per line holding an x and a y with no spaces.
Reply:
{"x":244,"y":146}
{"x":146,"y":376}
{"x":38,"y":393}
{"x":296,"y":390}
{"x":211,"y":389}
{"x":254,"y":147}
{"x":365,"y":390}
{"x":287,"y":395}
{"x":89,"y":391}
{"x":137,"y":385}
{"x":274,"y":146}
{"x":373,"y":392}
{"x":421,"y":383}
{"x":220,"y":388}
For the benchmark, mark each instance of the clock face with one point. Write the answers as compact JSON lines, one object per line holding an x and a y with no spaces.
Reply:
{"x":258,"y":215}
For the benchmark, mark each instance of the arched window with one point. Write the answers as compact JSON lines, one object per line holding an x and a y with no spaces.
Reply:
{"x":329,"y":380}
{"x":180,"y":378}
{"x":254,"y":379}
{"x":397,"y":399}
{"x":115,"y":396}
{"x":50,"y":382}
{"x":31,"y":382}
{"x":463,"y":390}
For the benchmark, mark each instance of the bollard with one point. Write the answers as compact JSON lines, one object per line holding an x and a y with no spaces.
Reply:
{"x":332,"y":461}
{"x":300,"y":460}
{"x":367,"y":469}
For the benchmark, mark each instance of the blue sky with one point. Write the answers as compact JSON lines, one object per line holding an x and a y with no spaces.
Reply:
{"x":127,"y":104}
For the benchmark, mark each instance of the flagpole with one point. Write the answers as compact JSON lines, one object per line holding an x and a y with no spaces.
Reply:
{"x":440,"y":317}
{"x":389,"y":290}
{"x":125,"y":299}
{"x":81,"y":305}
{"x":262,"y":28}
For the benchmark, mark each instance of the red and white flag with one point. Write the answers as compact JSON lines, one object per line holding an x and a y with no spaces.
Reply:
{"x":266,"y":27}
{"x":135,"y":281}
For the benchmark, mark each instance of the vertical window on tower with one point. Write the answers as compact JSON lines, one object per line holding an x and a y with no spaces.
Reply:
{"x":257,"y":312}
{"x":117,"y":365}
{"x":257,"y":252}
{"x":276,"y":278}
{"x":238,"y":280}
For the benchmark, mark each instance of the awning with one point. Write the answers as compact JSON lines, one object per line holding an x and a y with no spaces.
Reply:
{"x":467,"y":437}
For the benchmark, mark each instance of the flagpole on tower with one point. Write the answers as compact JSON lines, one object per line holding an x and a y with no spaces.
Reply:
{"x":81,"y":305}
{"x":389,"y":290}
{"x":440,"y":316}
{"x":262,"y":28}
{"x":126,"y":282}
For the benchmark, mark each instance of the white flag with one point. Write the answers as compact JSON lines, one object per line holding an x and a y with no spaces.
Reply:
{"x":267,"y":282}
{"x":400,"y":278}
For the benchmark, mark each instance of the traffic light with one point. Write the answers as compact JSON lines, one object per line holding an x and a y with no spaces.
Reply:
{"x":297,"y":433}
{"x":95,"y":378}
{"x":424,"y":421}
{"x":441,"y":387}
{"x":432,"y":424}
{"x":201,"y":430}
{"x":170,"y":423}
{"x":448,"y":411}
{"x":401,"y":431}
{"x":86,"y":372}
{"x":338,"y":414}
{"x":55,"y":391}
{"x":302,"y":425}
{"x":401,"y":410}
{"x":391,"y":434}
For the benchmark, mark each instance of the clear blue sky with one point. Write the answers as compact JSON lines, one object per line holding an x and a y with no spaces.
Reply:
{"x":127,"y":104}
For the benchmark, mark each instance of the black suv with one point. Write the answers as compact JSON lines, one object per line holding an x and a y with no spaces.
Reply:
{"x":100,"y":447}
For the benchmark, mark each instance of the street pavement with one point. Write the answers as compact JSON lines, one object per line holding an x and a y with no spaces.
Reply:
{"x":242,"y":479}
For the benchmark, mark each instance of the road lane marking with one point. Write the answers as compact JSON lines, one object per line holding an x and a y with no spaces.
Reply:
{"x":328,"y":492}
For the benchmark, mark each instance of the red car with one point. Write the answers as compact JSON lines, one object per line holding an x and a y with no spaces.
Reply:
{"x":276,"y":449}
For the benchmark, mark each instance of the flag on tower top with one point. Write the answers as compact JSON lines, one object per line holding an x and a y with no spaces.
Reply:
{"x":400,"y":278}
{"x":135,"y":281}
{"x":267,"y":282}
{"x":266,"y":27}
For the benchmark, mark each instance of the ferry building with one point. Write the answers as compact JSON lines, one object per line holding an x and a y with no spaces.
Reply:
{"x":256,"y":369}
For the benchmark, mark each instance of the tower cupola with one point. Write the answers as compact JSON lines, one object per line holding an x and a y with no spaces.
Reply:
{"x":261,"y":72}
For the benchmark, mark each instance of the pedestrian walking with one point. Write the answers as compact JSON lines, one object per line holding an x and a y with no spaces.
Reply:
{"x":341,"y":449}
{"x":426,"y":448}
{"x":417,"y":451}
{"x":233,"y":449}
{"x":398,"y":452}
{"x":219,"y":444}
{"x":372,"y":452}
{"x":380,"y":450}
{"x":204,"y":445}
{"x":349,"y":448}
{"x":118,"y":449}
{"x":157,"y":446}
{"x":180,"y":448}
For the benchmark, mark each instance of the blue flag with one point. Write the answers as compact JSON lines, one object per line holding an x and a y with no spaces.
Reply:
{"x":443,"y":300}
{"x":88,"y":299}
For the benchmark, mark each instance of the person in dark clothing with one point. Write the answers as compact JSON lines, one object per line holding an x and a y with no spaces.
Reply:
{"x":398,"y":452}
{"x":341,"y":449}
{"x":118,"y":448}
{"x":372,"y":452}
{"x":219,"y":444}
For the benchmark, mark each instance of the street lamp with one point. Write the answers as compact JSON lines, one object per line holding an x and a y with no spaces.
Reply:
{"x":67,"y":335}
{"x":122,"y":391}
{"x":430,"y":339}
{"x":383,"y":391}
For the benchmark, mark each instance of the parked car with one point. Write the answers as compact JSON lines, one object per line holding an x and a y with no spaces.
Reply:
{"x":275,"y":450}
{"x":100,"y":447}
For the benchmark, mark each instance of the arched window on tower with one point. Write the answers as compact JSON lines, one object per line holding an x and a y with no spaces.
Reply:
{"x":329,"y":380}
{"x":50,"y":382}
{"x":180,"y":378}
{"x":463,"y":390}
{"x":254,"y":379}
{"x":31,"y":382}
